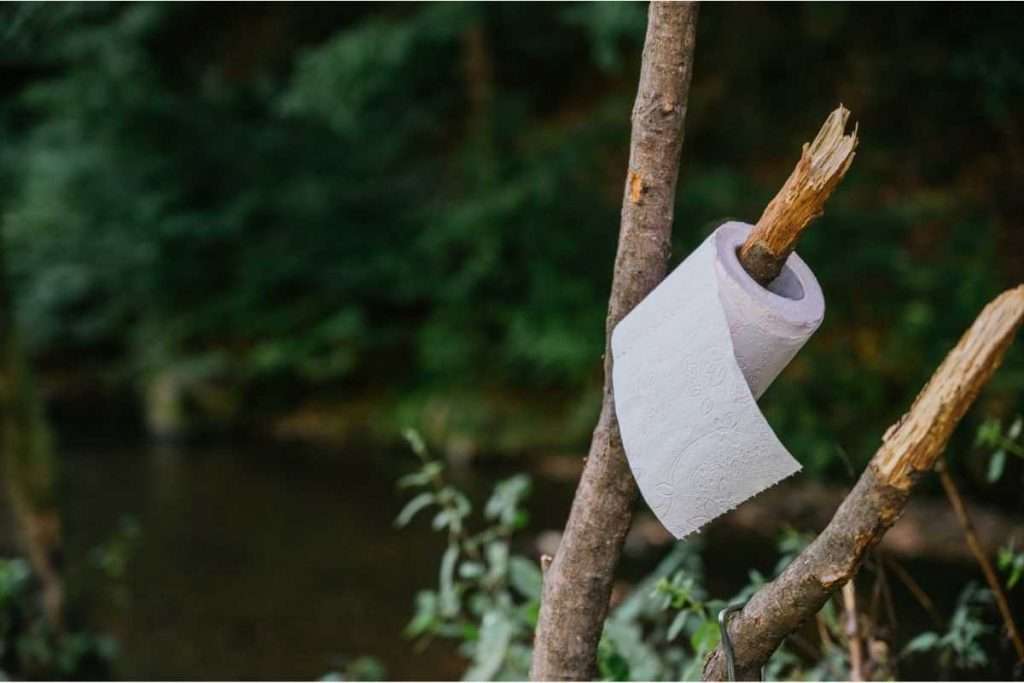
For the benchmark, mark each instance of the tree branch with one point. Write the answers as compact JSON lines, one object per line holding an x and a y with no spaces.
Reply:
{"x":852,"y":630}
{"x":577,"y":584}
{"x":909,"y":449}
{"x":949,"y":486}
{"x":823,"y":163}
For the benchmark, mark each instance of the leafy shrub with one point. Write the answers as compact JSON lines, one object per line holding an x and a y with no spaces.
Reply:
{"x":29,"y":647}
{"x":487,"y":600}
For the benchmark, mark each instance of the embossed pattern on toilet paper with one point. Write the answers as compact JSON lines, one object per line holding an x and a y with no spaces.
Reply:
{"x":694,"y":436}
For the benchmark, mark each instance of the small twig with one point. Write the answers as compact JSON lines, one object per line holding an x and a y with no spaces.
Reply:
{"x":915,"y":589}
{"x":852,"y":629}
{"x":957,"y":501}
{"x":890,"y":608}
{"x":802,"y":644}
{"x":876,"y":596}
{"x":822,"y":165}
{"x":823,"y":634}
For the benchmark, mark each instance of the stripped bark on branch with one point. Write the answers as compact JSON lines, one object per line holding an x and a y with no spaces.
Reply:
{"x":823,"y":163}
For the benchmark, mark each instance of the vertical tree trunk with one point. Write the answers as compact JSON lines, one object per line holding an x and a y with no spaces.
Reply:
{"x":28,"y":463}
{"x":577,"y":584}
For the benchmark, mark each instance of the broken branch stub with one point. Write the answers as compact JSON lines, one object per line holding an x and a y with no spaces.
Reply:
{"x":823,"y":163}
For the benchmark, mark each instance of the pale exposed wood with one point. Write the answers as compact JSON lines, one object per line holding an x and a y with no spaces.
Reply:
{"x":578,"y":582}
{"x":823,"y":163}
{"x":991,"y":578}
{"x":910,"y":448}
{"x":914,"y":443}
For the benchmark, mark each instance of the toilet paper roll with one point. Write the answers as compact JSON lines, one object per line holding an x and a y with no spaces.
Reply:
{"x":690,"y":362}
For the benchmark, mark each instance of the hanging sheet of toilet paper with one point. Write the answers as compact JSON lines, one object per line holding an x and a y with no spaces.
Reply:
{"x":690,"y":362}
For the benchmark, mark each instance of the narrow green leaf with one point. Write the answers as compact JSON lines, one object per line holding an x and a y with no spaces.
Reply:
{"x":422,"y":477}
{"x":441,"y":520}
{"x":497,"y":559}
{"x":705,"y":637}
{"x":426,"y":614}
{"x":676,"y":627}
{"x":495,"y":637}
{"x":415,"y":442}
{"x":1015,"y":429}
{"x":471,"y":570}
{"x":996,"y":466}
{"x":922,"y":643}
{"x":448,"y":598}
{"x":412,"y":507}
{"x":525,"y":577}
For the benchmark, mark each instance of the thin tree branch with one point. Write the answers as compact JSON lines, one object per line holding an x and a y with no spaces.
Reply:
{"x":915,"y":589}
{"x":852,"y":631}
{"x":823,"y":163}
{"x":909,"y":449}
{"x":578,"y":582}
{"x":957,"y":501}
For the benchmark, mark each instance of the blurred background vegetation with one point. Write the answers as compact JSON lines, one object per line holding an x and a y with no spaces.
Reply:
{"x":324,"y":223}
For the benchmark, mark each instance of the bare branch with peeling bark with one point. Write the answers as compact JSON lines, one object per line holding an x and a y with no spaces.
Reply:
{"x":909,"y":449}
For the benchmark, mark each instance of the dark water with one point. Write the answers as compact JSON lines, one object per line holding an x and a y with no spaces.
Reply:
{"x":252,"y":561}
{"x":260,"y":561}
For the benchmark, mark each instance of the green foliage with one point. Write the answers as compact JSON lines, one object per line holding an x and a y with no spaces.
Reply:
{"x":487,"y":597}
{"x":29,"y":647}
{"x":112,"y":557}
{"x":961,"y":645}
{"x":1000,"y":443}
{"x":358,"y":200}
{"x":1011,"y":562}
{"x":356,"y":669}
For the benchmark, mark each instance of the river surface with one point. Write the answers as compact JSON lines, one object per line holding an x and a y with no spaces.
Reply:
{"x":253,"y":561}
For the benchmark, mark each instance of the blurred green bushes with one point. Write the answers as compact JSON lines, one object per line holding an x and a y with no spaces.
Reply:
{"x":419,"y":204}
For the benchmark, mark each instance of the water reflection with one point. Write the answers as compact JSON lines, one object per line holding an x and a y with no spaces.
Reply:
{"x":253,"y":561}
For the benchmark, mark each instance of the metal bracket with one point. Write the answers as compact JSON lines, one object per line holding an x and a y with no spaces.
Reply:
{"x":727,"y":649}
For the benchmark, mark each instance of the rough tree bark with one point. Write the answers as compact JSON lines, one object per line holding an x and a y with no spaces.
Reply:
{"x":577,"y":584}
{"x":909,"y":449}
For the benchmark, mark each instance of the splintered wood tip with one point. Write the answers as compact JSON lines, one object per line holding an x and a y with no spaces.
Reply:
{"x":823,"y":163}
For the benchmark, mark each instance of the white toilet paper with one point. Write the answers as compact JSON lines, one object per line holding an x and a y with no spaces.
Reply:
{"x":689,"y":363}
